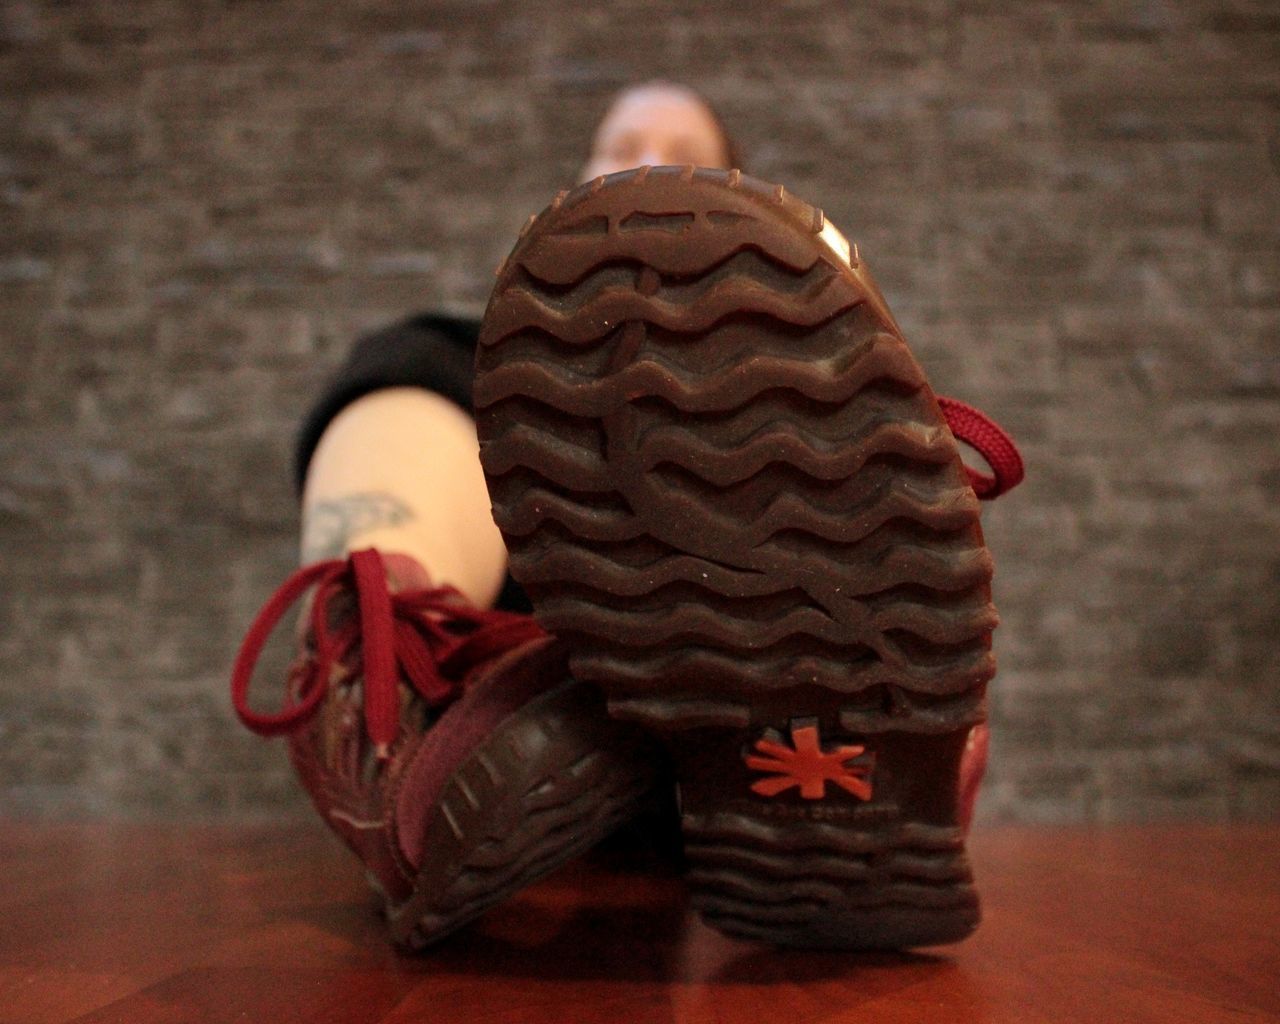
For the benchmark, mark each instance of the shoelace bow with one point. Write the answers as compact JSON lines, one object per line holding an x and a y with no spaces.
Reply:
{"x":993,"y":444}
{"x":427,"y":635}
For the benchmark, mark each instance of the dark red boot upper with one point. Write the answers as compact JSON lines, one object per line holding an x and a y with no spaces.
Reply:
{"x":386,"y":656}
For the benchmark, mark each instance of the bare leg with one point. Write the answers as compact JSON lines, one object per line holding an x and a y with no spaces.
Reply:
{"x":399,"y":470}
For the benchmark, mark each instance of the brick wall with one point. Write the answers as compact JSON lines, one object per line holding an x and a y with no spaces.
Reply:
{"x":1072,"y":207}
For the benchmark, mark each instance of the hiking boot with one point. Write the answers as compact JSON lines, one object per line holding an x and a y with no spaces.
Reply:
{"x":725,"y":482}
{"x":448,"y":746}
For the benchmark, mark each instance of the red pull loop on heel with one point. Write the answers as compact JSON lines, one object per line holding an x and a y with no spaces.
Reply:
{"x":982,"y":434}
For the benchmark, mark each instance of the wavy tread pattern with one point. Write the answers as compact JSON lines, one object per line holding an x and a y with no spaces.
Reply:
{"x":714,"y":459}
{"x":822,"y":884}
{"x":723,"y":477}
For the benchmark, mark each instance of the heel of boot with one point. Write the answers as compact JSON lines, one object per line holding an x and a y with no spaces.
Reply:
{"x":850,"y":842}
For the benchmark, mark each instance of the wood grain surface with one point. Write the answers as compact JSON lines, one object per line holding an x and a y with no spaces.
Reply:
{"x":179,"y":923}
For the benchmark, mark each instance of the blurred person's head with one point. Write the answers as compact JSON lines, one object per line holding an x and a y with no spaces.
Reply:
{"x":658,"y":123}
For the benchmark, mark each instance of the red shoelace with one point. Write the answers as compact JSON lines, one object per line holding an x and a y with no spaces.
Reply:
{"x":429,"y":636}
{"x":988,"y":440}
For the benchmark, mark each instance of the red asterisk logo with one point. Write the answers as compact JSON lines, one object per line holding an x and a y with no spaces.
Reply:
{"x":806,"y":765}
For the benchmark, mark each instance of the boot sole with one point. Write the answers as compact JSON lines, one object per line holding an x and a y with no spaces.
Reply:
{"x":724,"y":480}
{"x":544,"y":787}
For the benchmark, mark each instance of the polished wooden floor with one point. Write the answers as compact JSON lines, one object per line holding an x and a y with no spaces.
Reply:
{"x":141,"y":924}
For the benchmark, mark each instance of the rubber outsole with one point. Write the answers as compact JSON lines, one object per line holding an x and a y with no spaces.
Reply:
{"x":724,"y":479}
{"x":546,"y":786}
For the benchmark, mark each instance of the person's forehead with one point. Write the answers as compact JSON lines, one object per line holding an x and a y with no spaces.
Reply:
{"x":666,"y":102}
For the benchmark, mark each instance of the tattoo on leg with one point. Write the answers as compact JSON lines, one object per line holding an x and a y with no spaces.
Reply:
{"x":330,"y":526}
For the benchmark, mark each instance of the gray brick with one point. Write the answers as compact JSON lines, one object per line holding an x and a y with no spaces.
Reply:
{"x":1072,"y":209}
